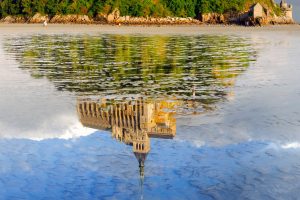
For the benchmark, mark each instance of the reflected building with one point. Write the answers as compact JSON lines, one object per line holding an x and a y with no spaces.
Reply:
{"x":132,"y":122}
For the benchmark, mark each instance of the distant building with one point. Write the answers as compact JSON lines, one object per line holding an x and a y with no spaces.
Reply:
{"x":259,"y":15}
{"x":132,"y":122}
{"x":287,"y":9}
{"x":256,"y":11}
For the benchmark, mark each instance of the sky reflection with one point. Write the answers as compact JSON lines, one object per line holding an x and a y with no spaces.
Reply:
{"x":104,"y":169}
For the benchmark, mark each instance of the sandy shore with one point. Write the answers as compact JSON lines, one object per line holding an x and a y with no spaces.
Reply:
{"x":19,"y":29}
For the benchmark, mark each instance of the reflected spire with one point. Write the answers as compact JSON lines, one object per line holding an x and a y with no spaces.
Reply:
{"x":141,"y":157}
{"x":132,"y":122}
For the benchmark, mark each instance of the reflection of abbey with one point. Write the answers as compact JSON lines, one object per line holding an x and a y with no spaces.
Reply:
{"x":131,"y":122}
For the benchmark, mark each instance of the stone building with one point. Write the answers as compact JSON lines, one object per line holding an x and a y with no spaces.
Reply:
{"x":256,"y":11}
{"x":256,"y":15}
{"x":90,"y":113}
{"x":132,"y":115}
{"x":260,"y":15}
{"x":287,"y":9}
{"x":132,"y":122}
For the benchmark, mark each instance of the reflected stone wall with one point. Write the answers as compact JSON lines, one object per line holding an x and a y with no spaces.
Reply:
{"x":131,"y":122}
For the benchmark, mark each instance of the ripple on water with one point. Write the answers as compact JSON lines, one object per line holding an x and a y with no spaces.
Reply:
{"x":156,"y":67}
{"x":194,"y":72}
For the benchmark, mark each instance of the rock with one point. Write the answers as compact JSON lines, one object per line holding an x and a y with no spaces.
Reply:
{"x":116,"y":13}
{"x":127,"y":18}
{"x":221,"y":19}
{"x":20,"y":20}
{"x":152,"y":20}
{"x":8,"y":19}
{"x":38,"y":18}
{"x":110,"y":18}
{"x":281,"y":20}
{"x":84,"y":19}
{"x":78,"y":19}
{"x":212,"y":18}
{"x":101,"y":18}
{"x":113,"y":16}
{"x":121,"y":19}
{"x":13,"y":19}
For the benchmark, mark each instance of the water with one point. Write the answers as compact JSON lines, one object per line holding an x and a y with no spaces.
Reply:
{"x":106,"y":116}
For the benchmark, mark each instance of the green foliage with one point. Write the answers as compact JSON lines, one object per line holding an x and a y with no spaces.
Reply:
{"x":10,"y":7}
{"x":159,"y":65}
{"x":27,"y":7}
{"x":220,"y":6}
{"x":182,"y":8}
{"x":267,"y":4}
{"x":157,"y":8}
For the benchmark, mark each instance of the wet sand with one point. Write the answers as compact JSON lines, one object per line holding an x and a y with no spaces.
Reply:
{"x":17,"y":29}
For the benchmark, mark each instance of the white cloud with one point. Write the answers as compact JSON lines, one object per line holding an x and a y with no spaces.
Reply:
{"x":293,"y":145}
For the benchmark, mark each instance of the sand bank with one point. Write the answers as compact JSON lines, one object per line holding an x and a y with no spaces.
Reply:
{"x":19,"y":29}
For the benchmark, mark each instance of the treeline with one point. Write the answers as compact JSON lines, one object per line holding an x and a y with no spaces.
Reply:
{"x":128,"y":64}
{"x":155,"y":8}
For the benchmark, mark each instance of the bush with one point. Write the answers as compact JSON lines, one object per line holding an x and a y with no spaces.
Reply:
{"x":157,"y":8}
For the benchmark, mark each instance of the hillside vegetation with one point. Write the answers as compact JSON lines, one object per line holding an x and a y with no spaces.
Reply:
{"x":155,"y":8}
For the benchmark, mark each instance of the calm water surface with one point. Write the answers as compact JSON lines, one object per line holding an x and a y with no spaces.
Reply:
{"x":210,"y":116}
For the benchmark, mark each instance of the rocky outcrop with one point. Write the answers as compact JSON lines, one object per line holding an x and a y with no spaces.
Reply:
{"x":38,"y":18}
{"x":212,"y":18}
{"x":113,"y":16}
{"x":100,"y":18}
{"x":156,"y":21}
{"x":265,"y":20}
{"x":76,"y":19}
{"x":282,"y":20}
{"x":108,"y":18}
{"x":13,"y":19}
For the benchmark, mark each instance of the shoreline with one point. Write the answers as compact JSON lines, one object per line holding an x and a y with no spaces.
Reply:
{"x":191,"y":23}
{"x":114,"y":19}
{"x":93,"y":29}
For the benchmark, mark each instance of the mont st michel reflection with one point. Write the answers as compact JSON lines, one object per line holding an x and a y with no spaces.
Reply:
{"x":133,"y":122}
{"x":120,"y":111}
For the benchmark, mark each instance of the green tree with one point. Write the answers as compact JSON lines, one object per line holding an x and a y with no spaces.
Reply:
{"x":157,"y":8}
{"x":10,"y":7}
{"x":27,"y":7}
{"x":39,"y":6}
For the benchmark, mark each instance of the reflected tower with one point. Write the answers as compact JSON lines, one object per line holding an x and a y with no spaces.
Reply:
{"x":132,"y":122}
